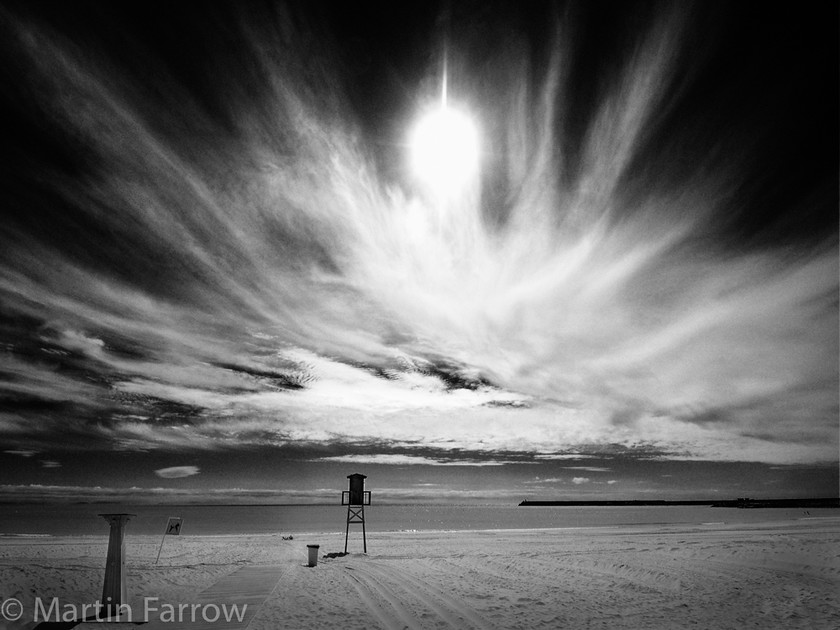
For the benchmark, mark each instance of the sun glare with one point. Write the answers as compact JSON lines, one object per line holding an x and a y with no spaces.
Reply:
{"x":444,"y":150}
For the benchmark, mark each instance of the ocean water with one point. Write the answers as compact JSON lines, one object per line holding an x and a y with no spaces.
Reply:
{"x":83,"y":519}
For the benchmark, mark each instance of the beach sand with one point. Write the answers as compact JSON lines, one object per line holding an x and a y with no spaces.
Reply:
{"x":716,"y":575}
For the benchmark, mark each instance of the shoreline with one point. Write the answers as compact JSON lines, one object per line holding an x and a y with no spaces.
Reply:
{"x":802,"y":525}
{"x":85,"y":520}
{"x":653,"y":526}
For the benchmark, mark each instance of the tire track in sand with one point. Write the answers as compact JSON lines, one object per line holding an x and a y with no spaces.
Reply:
{"x":381,"y":601}
{"x":405,"y":597}
{"x":450,"y":609}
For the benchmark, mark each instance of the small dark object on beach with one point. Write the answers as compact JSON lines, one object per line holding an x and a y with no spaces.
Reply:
{"x":287,"y":537}
{"x":335,"y":554}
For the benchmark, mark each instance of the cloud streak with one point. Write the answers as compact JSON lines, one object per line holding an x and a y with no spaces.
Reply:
{"x":414,"y":460}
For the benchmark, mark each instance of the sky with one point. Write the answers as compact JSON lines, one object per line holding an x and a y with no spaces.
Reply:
{"x":223,"y":279}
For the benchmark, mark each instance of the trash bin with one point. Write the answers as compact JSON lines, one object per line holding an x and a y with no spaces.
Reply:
{"x":313,"y":554}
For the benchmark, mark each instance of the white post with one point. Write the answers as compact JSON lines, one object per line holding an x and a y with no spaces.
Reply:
{"x":114,"y":590}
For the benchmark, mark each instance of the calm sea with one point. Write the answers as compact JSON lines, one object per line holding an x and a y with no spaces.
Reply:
{"x":61,"y":520}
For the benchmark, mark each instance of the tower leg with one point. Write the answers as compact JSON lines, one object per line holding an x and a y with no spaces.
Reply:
{"x":347,"y":531}
{"x":364,"y":533}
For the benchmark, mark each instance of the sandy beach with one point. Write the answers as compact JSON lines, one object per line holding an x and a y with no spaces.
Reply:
{"x":716,"y":575}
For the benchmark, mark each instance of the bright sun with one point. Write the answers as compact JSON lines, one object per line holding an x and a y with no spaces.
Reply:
{"x":444,"y":150}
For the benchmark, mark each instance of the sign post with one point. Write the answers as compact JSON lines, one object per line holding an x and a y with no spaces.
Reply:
{"x":173,"y":528}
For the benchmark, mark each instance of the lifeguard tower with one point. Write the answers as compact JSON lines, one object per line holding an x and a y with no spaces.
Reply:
{"x":356,"y":498}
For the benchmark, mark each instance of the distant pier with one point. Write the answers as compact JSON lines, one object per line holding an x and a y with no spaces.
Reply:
{"x":730,"y":503}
